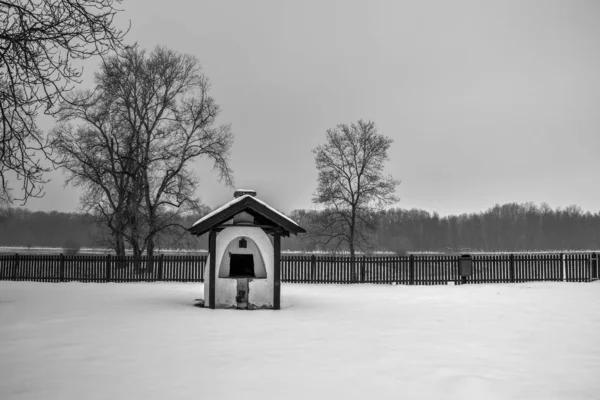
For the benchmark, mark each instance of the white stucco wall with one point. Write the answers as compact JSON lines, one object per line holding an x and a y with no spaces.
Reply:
{"x":260,"y":290}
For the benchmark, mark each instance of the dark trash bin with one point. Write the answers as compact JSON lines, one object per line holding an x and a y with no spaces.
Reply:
{"x":465,"y":267}
{"x":594,"y":265}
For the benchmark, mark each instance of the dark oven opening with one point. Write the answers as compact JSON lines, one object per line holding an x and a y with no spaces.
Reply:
{"x":241,"y":266}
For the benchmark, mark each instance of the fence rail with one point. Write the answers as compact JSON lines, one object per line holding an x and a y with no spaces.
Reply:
{"x":407,"y":270}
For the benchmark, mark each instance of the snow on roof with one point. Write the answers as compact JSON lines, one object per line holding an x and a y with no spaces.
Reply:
{"x":222,"y":208}
{"x":275,"y":211}
{"x":237,"y":200}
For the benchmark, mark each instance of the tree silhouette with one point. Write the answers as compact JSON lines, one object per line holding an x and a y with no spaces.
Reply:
{"x":137,"y":134}
{"x":39,"y":42}
{"x":351,"y":183}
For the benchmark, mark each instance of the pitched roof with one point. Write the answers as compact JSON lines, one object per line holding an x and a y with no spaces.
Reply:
{"x":252,"y":206}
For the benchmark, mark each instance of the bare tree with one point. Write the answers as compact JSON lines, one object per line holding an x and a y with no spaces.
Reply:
{"x":351,"y":183}
{"x":148,"y":118}
{"x":39,"y":41}
{"x":99,"y":158}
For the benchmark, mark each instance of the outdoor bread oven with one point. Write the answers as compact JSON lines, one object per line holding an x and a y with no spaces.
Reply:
{"x":243,"y":266}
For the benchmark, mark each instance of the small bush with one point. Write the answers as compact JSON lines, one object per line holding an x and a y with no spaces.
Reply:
{"x":401,"y":252}
{"x":401,"y":245}
{"x":70,"y":247}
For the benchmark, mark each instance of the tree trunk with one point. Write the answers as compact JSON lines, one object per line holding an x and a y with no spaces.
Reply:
{"x":352,"y":228}
{"x":150,"y":253}
{"x":119,"y":246}
{"x":150,"y":210}
{"x":137,"y":257}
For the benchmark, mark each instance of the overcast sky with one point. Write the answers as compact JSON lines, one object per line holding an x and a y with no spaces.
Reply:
{"x":487,"y":102}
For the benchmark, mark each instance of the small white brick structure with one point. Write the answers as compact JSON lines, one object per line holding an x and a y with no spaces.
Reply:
{"x":243,"y":266}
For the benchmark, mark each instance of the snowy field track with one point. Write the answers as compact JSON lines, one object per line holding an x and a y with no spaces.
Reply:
{"x":146,"y":341}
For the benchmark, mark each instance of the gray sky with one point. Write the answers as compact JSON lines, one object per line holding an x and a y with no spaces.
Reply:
{"x":487,"y":102}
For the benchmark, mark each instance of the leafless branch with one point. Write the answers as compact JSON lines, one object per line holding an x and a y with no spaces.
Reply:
{"x":351,"y":184}
{"x":40,"y":40}
{"x":148,"y":118}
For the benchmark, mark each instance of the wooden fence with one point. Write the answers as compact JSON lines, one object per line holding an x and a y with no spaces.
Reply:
{"x":439,"y":270}
{"x":406,"y":270}
{"x":100,"y":268}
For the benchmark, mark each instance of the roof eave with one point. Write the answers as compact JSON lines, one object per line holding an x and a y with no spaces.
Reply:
{"x":287,"y":225}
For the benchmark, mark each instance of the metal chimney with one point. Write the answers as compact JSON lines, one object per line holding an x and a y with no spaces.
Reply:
{"x":242,"y":192}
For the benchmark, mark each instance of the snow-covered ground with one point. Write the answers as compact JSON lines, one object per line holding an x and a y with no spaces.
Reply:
{"x":147,"y":341}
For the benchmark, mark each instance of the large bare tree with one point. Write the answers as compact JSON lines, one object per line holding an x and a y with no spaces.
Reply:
{"x":130,"y":142}
{"x":39,"y":41}
{"x":99,"y":156}
{"x":351,"y":184}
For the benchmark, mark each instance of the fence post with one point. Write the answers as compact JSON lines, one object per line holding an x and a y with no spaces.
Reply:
{"x":411,"y":269}
{"x":160,"y":267}
{"x":594,"y":266}
{"x":15,"y":267}
{"x":511,"y":267}
{"x":362,"y":268}
{"x":108,"y":268}
{"x":564,"y":267}
{"x":203,"y":259}
{"x":62,"y":267}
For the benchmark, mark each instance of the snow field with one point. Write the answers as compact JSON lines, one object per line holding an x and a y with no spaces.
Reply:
{"x":147,"y":341}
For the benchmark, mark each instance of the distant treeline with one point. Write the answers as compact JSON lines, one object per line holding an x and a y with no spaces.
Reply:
{"x":22,"y":227}
{"x":508,"y":227}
